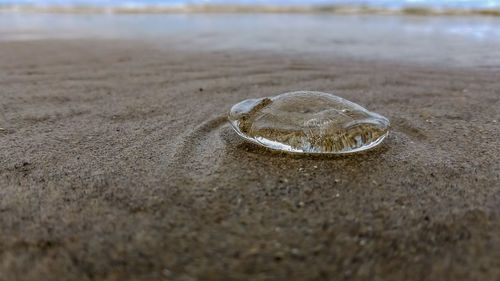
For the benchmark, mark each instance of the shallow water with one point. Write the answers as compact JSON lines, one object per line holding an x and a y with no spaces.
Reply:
{"x":457,"y":41}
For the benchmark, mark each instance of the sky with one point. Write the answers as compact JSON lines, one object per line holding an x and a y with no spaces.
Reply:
{"x":385,"y":3}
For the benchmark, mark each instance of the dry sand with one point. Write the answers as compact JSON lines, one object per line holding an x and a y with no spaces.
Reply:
{"x":117,"y":163}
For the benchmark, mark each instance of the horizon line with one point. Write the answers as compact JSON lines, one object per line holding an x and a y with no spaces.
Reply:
{"x":247,"y":9}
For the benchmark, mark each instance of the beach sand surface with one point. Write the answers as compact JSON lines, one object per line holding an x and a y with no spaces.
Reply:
{"x":117,"y":163}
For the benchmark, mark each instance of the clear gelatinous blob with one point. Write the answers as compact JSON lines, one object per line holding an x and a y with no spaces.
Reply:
{"x":308,"y":122}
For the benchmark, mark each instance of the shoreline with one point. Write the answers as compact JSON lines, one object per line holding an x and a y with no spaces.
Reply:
{"x":467,"y":42}
{"x":251,"y":9}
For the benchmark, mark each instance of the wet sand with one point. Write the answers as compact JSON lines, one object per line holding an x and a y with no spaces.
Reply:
{"x":117,"y":163}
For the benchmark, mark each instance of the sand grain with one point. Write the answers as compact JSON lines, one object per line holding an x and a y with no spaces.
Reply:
{"x":114,"y":165}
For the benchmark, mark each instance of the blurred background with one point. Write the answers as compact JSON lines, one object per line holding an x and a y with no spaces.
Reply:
{"x":386,"y":3}
{"x":452,"y":32}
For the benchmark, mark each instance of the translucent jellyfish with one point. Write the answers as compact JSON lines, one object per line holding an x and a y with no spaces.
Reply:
{"x":308,"y":122}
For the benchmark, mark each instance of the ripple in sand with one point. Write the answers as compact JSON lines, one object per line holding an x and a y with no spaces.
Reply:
{"x":200,"y":151}
{"x":308,"y":122}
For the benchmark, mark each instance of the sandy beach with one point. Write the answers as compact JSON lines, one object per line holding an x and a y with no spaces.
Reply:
{"x":117,"y":163}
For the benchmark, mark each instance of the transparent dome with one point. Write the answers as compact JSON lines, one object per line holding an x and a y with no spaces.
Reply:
{"x":308,"y":122}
